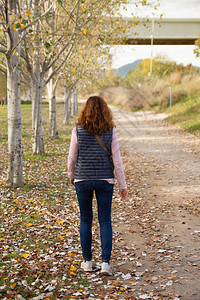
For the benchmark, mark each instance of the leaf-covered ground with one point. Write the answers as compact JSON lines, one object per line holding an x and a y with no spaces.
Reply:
{"x":40,"y":248}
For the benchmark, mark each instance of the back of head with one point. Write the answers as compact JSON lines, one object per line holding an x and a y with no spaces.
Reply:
{"x":96,"y":116}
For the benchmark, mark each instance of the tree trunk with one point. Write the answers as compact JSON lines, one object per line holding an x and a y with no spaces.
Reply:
{"x":15,"y":164}
{"x":73,"y":103}
{"x":76,"y":103}
{"x":37,"y":131}
{"x":53,"y":131}
{"x":70,"y":104}
{"x":67,"y":105}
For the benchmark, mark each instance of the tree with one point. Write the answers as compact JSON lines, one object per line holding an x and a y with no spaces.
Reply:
{"x":86,"y":65}
{"x":32,"y":55}
{"x":161,"y":66}
{"x":11,"y":48}
{"x":15,"y":20}
{"x":45,"y":53}
{"x":197,"y":49}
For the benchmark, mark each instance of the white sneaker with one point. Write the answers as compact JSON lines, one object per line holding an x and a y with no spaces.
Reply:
{"x":87,"y":266}
{"x":106,"y":269}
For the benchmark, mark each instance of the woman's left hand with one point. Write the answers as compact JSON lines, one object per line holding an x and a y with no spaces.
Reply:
{"x":123,"y":194}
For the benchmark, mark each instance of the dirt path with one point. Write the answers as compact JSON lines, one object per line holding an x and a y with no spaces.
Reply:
{"x":157,"y":230}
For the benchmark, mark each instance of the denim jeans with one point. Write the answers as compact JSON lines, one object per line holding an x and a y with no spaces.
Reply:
{"x":85,"y":192}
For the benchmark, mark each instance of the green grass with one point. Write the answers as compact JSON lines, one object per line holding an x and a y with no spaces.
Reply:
{"x":36,"y":158}
{"x":4,"y":138}
{"x":186,"y":113}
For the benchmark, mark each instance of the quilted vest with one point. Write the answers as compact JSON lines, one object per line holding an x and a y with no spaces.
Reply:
{"x":93,"y":162}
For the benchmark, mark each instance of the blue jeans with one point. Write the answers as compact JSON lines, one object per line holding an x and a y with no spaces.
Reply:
{"x":85,"y":192}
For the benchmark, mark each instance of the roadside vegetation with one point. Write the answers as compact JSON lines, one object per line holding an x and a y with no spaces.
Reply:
{"x":138,"y":91}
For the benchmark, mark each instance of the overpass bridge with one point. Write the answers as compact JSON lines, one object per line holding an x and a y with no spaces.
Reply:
{"x":163,"y":31}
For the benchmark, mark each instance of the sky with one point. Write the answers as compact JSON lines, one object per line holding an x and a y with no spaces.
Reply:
{"x":170,"y":9}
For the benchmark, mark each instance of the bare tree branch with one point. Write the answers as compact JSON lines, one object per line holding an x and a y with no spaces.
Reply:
{"x":60,"y":66}
{"x":3,"y":50}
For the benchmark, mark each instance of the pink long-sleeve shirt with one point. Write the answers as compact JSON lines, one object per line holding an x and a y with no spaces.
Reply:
{"x":119,"y":172}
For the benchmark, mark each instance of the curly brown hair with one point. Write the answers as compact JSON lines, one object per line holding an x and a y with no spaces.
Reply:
{"x":96,"y":116}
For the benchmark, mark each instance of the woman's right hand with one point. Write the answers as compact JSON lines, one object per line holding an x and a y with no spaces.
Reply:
{"x":72,"y":181}
{"x":123,"y":194}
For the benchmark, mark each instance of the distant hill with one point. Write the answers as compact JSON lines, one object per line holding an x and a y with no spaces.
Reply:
{"x":122,"y":71}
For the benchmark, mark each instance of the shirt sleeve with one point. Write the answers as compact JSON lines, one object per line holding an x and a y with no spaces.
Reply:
{"x":73,"y":154}
{"x":119,"y":172}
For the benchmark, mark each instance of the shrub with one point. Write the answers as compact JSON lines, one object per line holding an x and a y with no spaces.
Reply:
{"x":133,"y":77}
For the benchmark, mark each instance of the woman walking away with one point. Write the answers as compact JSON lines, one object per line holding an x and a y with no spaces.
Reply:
{"x":90,"y":169}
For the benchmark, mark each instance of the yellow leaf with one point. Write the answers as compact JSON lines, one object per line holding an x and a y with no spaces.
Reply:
{"x":85,"y":31}
{"x":15,"y":29}
{"x":59,"y":222}
{"x":72,"y":268}
{"x":25,"y":255}
{"x":61,"y":236}
{"x":28,"y":12}
{"x":22,"y":25}
{"x":71,"y":272}
{"x":71,"y":254}
{"x":2,"y":31}
{"x":13,"y":285}
{"x":48,"y":226}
